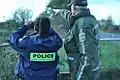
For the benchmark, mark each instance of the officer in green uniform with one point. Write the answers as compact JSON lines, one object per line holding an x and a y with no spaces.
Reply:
{"x":81,"y":42}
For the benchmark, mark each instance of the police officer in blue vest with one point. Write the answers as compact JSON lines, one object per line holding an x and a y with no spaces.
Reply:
{"x":38,"y":57}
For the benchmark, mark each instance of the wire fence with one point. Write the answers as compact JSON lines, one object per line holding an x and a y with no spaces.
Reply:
{"x":109,"y":58}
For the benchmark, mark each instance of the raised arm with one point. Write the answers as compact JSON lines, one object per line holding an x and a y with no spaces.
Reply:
{"x":66,"y":14}
{"x":17,"y":40}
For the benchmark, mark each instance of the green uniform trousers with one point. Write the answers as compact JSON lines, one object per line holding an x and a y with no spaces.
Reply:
{"x":81,"y":68}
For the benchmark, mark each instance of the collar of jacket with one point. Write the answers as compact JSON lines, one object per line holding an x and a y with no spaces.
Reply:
{"x":83,"y":12}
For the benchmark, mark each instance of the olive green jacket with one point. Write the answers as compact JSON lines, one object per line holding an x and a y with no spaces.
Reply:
{"x":90,"y":27}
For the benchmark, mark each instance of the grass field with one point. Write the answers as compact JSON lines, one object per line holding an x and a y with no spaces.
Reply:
{"x":4,"y":35}
{"x":110,"y":54}
{"x":3,"y":39}
{"x":3,"y":30}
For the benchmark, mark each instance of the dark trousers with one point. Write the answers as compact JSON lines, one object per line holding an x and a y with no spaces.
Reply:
{"x":28,"y":77}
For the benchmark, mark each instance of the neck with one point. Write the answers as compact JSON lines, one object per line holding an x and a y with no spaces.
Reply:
{"x":43,"y":35}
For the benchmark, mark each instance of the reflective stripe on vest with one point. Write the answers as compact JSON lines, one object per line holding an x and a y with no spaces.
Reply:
{"x":42,"y":57}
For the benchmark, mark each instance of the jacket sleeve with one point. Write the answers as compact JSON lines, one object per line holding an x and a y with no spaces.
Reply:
{"x":66,"y":14}
{"x":77,"y":33}
{"x":57,"y":38}
{"x":17,"y":40}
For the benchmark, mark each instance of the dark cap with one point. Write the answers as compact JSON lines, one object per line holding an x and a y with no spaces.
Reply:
{"x":78,"y":3}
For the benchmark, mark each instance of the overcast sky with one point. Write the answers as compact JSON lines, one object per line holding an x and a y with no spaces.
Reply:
{"x":100,"y":8}
{"x":103,"y":8}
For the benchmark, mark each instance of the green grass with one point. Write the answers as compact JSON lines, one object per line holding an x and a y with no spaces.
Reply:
{"x":3,"y":39}
{"x":63,"y":60}
{"x":8,"y":60}
{"x":109,"y":54}
{"x":4,"y":35}
{"x":4,"y":31}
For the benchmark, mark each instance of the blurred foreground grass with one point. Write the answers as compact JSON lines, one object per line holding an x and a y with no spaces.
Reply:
{"x":8,"y":60}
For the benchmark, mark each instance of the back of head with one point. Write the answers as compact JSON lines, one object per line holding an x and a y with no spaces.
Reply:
{"x":42,"y":26}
